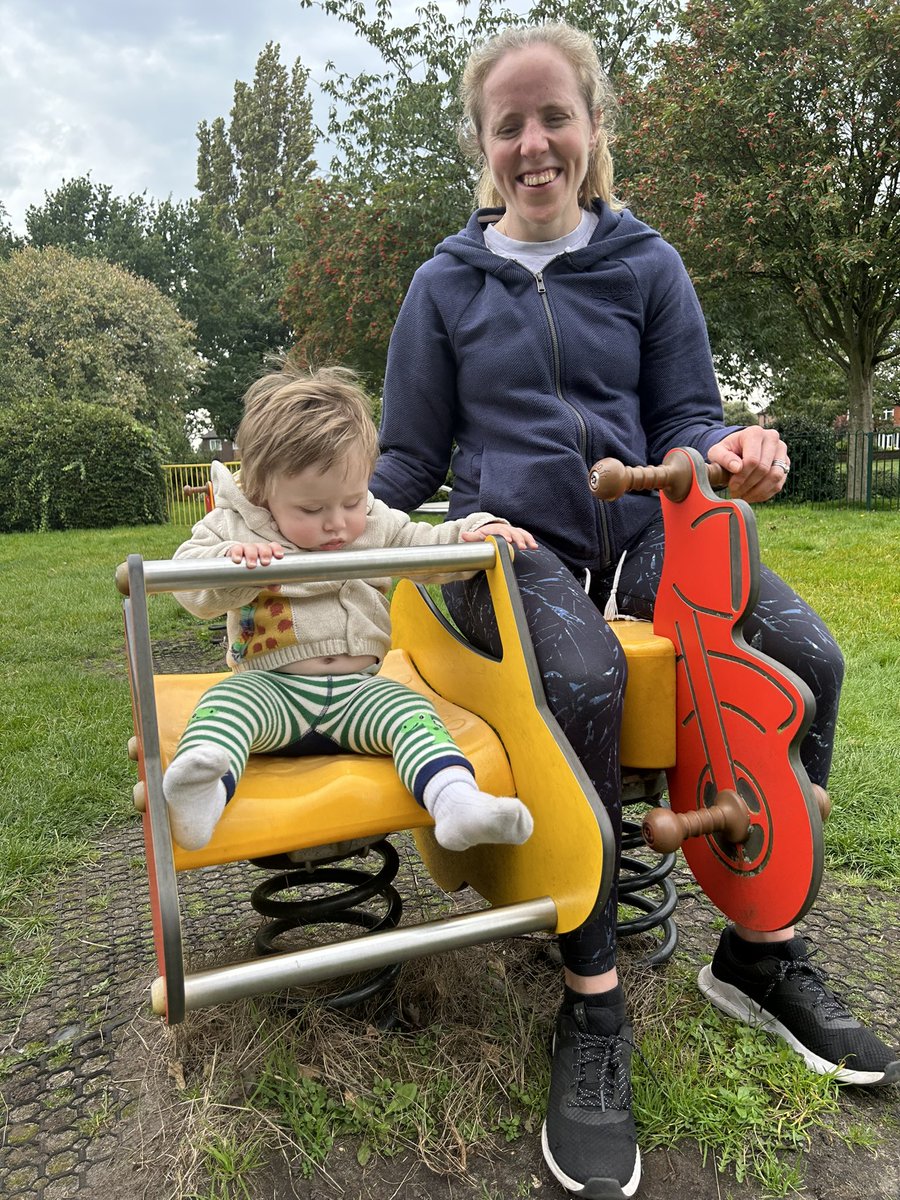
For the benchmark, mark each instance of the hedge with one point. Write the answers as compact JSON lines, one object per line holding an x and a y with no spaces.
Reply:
{"x":68,"y":465}
{"x":814,"y":472}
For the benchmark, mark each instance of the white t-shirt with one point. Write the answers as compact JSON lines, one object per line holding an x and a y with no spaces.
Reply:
{"x":536,"y":255}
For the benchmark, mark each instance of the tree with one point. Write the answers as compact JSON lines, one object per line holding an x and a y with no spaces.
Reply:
{"x":207,"y":279}
{"x":86,"y":219}
{"x":251,"y":172}
{"x":8,"y":240}
{"x":182,"y":249}
{"x":351,"y":271}
{"x":83,"y":330}
{"x":399,"y":182}
{"x":361,"y":233}
{"x":767,"y":148}
{"x":760,"y":344}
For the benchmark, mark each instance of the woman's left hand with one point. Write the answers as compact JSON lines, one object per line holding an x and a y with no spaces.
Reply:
{"x":520,"y":538}
{"x":757,"y":460}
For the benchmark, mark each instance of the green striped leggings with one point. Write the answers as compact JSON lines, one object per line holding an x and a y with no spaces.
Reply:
{"x":264,"y":711}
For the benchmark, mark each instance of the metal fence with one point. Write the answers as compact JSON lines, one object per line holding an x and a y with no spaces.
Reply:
{"x":185,"y":490}
{"x":844,"y":471}
{"x":828,"y":469}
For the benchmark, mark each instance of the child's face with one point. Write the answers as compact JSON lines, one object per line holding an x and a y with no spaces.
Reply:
{"x":321,"y":510}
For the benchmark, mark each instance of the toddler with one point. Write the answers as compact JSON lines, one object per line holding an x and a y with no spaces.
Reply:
{"x":305,"y":657}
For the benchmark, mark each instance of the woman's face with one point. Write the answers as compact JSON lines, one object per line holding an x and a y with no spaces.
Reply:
{"x":536,"y":136}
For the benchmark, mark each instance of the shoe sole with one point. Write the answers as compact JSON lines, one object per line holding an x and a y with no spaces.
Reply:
{"x":594,"y":1189}
{"x":737,"y":1004}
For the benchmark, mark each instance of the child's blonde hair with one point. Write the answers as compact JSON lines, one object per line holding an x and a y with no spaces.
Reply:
{"x":295,"y":419}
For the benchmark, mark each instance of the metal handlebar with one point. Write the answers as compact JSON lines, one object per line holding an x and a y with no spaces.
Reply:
{"x":192,"y":574}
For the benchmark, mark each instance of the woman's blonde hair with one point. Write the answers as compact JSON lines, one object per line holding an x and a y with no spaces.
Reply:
{"x":295,"y":419}
{"x":578,"y":50}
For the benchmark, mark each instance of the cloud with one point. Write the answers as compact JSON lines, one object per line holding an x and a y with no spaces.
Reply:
{"x":116,"y":90}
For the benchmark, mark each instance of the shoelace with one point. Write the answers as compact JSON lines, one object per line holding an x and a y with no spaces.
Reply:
{"x":811,"y":980}
{"x":602,"y":1080}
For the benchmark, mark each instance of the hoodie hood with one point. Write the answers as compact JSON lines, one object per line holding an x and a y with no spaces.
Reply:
{"x":229,"y":497}
{"x":614,"y":233}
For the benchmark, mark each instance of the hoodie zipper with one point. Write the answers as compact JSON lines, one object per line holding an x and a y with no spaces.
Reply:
{"x":582,"y":427}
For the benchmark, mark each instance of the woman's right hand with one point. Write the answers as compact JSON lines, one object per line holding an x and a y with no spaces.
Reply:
{"x":253,"y":553}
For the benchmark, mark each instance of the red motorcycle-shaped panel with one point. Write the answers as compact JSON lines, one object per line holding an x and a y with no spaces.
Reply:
{"x":742,"y":806}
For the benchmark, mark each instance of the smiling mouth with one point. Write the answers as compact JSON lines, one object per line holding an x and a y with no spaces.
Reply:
{"x":539,"y":178}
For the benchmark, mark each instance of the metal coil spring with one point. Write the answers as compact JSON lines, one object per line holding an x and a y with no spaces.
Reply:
{"x":343,"y":907}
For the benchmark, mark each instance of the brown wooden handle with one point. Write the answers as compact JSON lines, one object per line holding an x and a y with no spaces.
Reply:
{"x":665,"y":831}
{"x":609,"y":479}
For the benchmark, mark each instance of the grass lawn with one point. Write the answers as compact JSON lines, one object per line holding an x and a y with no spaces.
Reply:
{"x":64,"y":775}
{"x":65,"y":719}
{"x":847,"y":565}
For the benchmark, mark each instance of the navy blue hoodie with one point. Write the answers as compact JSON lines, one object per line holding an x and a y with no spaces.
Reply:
{"x":528,"y":379}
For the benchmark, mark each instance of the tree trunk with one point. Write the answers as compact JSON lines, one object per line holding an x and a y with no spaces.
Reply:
{"x":860,"y":428}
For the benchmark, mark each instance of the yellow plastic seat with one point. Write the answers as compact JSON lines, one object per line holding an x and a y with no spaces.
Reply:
{"x":648,"y":718}
{"x":497,"y":711}
{"x":285,"y":804}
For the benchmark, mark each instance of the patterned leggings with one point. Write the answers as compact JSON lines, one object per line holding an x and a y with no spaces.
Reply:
{"x":583,"y":670}
{"x":268,"y":711}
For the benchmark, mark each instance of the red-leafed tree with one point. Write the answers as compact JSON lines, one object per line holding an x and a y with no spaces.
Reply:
{"x":767,"y":147}
{"x":355,"y":258}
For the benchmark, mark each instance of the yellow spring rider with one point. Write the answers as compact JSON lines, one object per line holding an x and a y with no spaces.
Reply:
{"x":293,"y":814}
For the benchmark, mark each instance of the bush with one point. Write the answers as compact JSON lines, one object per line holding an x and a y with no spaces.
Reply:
{"x":96,"y":334}
{"x":77,"y":466}
{"x":812,"y":447}
{"x":886,"y":479}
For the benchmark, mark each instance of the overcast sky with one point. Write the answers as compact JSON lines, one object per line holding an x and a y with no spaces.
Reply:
{"x":117,"y":87}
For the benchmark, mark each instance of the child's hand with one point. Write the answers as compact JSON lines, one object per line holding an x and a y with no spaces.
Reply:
{"x":520,"y":538}
{"x":253,"y":553}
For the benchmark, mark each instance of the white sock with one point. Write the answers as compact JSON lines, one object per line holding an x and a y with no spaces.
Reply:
{"x":195,"y":793}
{"x":465,"y":817}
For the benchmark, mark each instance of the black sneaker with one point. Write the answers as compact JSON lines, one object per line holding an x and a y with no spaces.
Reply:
{"x":785,"y":994}
{"x":588,"y":1139}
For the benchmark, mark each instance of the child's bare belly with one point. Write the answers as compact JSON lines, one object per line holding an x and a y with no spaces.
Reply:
{"x":330,"y":664}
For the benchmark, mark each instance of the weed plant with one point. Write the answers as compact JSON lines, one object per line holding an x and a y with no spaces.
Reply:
{"x":743,"y":1098}
{"x":466,"y":1067}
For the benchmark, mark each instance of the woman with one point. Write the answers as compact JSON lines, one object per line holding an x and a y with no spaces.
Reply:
{"x":553,"y":330}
